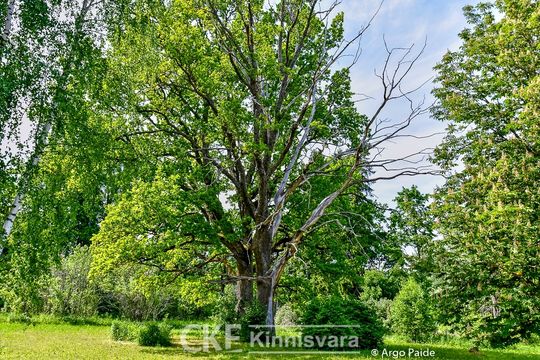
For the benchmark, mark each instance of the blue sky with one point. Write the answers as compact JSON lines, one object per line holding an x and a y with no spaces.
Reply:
{"x":403,"y":23}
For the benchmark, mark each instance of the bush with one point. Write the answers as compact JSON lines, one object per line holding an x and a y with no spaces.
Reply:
{"x":154,"y":334}
{"x":123,"y":295}
{"x":20,"y":318}
{"x":533,"y":340}
{"x":22,"y":292}
{"x":378,"y":284}
{"x":500,"y":331}
{"x":382,"y":310}
{"x":149,"y":334}
{"x":225,"y":311}
{"x":69,"y":293}
{"x":411,"y":313}
{"x":254,"y":315}
{"x":365,"y":331}
{"x":124,"y":331}
{"x":286,"y":316}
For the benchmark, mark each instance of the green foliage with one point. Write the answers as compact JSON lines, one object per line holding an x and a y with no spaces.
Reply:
{"x":534,"y":339}
{"x":161,"y":211}
{"x":378,"y":290}
{"x":335,"y":264}
{"x":254,"y":314}
{"x":488,"y":259}
{"x":411,"y":313}
{"x":225,"y":309}
{"x":154,"y":334}
{"x":124,"y":331}
{"x":20,"y":318}
{"x":286,"y":316}
{"x":48,"y":319}
{"x":411,"y":226}
{"x":35,"y":15}
{"x":378,"y":284}
{"x":69,"y":291}
{"x":22,"y":293}
{"x":53,"y":66}
{"x":382,"y":309}
{"x":123,"y":294}
{"x":340,"y":311}
{"x":146,"y":334}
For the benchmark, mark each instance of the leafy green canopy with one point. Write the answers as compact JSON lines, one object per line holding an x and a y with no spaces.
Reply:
{"x":68,"y":169}
{"x":218,"y":94}
{"x":411,"y":230}
{"x":411,"y":312}
{"x":488,"y":213}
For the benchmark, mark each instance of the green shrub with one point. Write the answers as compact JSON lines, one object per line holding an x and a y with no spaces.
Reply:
{"x":123,"y":294}
{"x":20,"y":318}
{"x":124,"y":331}
{"x":378,"y":284}
{"x":226,"y":307}
{"x":411,"y":313}
{"x":286,"y":316}
{"x":22,"y":293}
{"x":533,"y":340}
{"x":366,"y":330}
{"x":382,"y":310}
{"x":68,"y":291}
{"x":254,"y":315}
{"x":154,"y":334}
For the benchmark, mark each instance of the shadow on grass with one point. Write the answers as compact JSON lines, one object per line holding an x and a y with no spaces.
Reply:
{"x":243,"y":350}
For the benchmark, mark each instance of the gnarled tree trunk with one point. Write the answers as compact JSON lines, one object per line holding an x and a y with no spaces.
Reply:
{"x":244,"y":285}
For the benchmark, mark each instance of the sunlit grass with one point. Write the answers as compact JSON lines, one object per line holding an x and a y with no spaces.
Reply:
{"x":42,"y":341}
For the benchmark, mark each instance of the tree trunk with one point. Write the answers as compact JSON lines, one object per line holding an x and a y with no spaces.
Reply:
{"x":8,"y":20}
{"x":244,"y":286}
{"x":265,"y":283}
{"x":42,"y":142}
{"x":6,"y":31}
{"x":265,"y":295}
{"x":15,"y":208}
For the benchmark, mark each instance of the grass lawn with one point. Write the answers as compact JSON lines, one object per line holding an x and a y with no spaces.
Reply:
{"x":64,"y":341}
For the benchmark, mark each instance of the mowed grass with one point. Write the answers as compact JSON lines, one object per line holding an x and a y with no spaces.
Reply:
{"x":64,"y":341}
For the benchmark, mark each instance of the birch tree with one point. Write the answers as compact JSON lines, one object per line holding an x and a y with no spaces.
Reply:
{"x":63,"y":180}
{"x":49,"y":34}
{"x":7,"y":12}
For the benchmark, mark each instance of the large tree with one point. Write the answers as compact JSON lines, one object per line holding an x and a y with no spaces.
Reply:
{"x":488,"y":211}
{"x":254,"y":132}
{"x":57,"y":169}
{"x":49,"y":61}
{"x":411,"y":231}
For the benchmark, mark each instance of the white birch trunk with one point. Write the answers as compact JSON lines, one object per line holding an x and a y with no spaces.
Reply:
{"x":17,"y":202}
{"x":15,"y":208}
{"x":6,"y":31}
{"x":7,"y":23}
